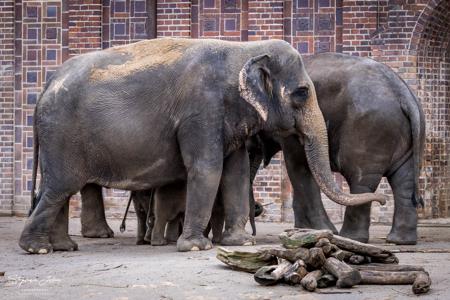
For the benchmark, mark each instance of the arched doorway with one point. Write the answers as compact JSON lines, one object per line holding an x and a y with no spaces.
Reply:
{"x":433,"y":73}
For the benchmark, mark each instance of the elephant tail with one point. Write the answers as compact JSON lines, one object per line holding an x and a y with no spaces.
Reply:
{"x":34,"y":198}
{"x":413,"y":109}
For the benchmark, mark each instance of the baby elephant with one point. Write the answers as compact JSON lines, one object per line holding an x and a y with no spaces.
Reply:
{"x":160,"y":215}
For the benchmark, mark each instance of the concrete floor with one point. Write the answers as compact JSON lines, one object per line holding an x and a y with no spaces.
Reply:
{"x":118,"y":269}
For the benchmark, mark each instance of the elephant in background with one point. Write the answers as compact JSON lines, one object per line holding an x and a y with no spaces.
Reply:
{"x":375,"y":128}
{"x":133,"y":117}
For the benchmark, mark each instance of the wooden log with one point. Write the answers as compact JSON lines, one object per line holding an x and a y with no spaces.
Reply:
{"x":346,"y":275}
{"x":388,"y":277}
{"x":296,"y":272}
{"x":325,"y":244}
{"x":245,"y":261}
{"x":309,"y":282}
{"x":316,"y":258}
{"x":290,"y":254}
{"x":422,"y":283}
{"x":270,"y":275}
{"x":360,"y":248}
{"x":294,"y":238}
{"x":384,"y":267}
{"x":326,"y":280}
{"x":342,"y":255}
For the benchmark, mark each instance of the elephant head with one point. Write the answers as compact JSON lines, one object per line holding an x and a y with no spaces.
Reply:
{"x":279,"y":89}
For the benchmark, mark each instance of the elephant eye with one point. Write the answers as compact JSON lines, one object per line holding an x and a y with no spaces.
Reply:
{"x":299,"y":95}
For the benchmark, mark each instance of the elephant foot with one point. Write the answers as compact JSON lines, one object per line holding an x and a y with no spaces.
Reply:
{"x":64,"y":244}
{"x":158,"y":242}
{"x":359,"y":236}
{"x":97,"y":231}
{"x":142,"y":242}
{"x":35,"y":244}
{"x":237,"y":238}
{"x":402,"y":238}
{"x":193,"y":244}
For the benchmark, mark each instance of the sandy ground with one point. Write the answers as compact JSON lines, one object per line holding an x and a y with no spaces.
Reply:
{"x":118,"y":269}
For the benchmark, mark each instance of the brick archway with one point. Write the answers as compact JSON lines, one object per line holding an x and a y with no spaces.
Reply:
{"x":430,"y":43}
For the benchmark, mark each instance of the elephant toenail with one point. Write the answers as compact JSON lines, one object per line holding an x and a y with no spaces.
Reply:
{"x":248,"y":244}
{"x":42,"y":251}
{"x":30,"y":250}
{"x":208,"y":247}
{"x":195,"y":248}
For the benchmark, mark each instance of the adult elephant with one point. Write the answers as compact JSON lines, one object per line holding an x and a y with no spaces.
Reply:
{"x":375,"y":128}
{"x":133,"y":117}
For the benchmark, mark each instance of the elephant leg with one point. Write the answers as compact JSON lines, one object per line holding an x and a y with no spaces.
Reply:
{"x":309,"y":211}
{"x":173,"y":229}
{"x":93,"y":220}
{"x":169,"y":208}
{"x":159,"y":226}
{"x":150,"y":219}
{"x":217,"y":220}
{"x":35,"y":237}
{"x":235,"y":185}
{"x":357,"y":218}
{"x":404,"y":227}
{"x":141,"y":222}
{"x":203,"y":160}
{"x":59,"y":235}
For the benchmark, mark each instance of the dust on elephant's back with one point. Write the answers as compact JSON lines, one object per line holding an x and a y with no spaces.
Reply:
{"x":141,"y":56}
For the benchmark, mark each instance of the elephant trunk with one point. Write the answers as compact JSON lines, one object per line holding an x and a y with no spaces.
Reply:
{"x":316,"y":148}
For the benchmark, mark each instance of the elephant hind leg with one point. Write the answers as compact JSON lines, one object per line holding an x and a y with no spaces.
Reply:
{"x":404,"y":227}
{"x":93,"y":219}
{"x":357,"y":218}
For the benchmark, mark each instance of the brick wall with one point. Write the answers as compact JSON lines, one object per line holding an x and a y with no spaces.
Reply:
{"x":409,"y":36}
{"x":6,"y":106}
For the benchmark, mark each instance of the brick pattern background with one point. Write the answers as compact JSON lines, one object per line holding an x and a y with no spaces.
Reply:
{"x":6,"y":105}
{"x":410,"y":36}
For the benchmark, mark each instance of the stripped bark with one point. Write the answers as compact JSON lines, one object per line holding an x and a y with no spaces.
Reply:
{"x":346,"y":275}
{"x":245,"y":261}
{"x":270,"y":275}
{"x":309,"y":282}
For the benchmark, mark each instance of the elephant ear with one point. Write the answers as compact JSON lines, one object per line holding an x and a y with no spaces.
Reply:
{"x":255,"y":84}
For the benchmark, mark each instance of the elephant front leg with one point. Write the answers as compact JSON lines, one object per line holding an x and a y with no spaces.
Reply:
{"x":235,"y":185}
{"x":59,"y":236}
{"x":357,"y":218}
{"x":307,"y":202}
{"x":93,"y":220}
{"x":201,"y":190}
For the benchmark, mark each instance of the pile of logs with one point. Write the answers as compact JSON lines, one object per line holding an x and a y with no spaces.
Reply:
{"x":319,"y":259}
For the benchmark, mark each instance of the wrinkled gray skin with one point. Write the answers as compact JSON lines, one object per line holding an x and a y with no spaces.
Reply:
{"x":122,"y":118}
{"x":375,"y":128}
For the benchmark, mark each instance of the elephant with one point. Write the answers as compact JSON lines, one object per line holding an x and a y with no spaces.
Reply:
{"x":133,"y":117}
{"x":375,"y":128}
